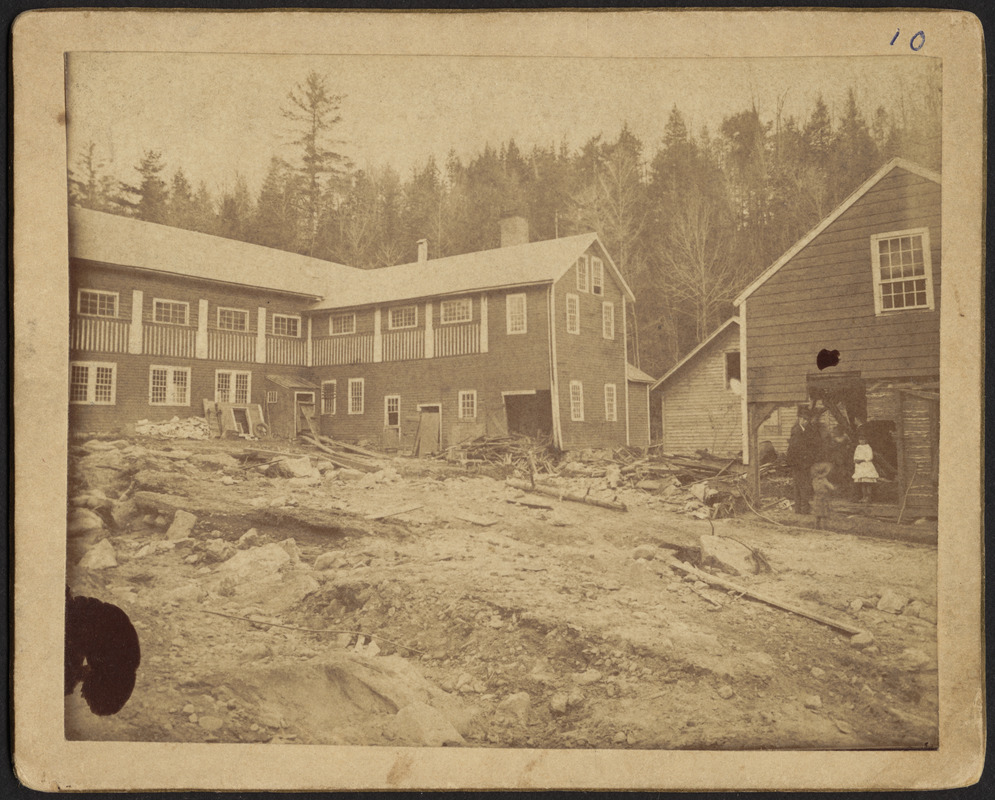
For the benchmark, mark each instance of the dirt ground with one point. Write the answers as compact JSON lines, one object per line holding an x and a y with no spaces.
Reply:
{"x":560,"y":627}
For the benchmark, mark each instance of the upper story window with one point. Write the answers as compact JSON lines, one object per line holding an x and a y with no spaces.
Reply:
{"x":233,"y":319}
{"x":456,"y":311}
{"x":517,"y":319}
{"x":341,"y":324}
{"x":573,"y":313}
{"x":903,"y":271}
{"x":403,"y":317}
{"x":582,"y":275}
{"x":97,"y":303}
{"x":597,"y":275}
{"x":608,"y":320}
{"x":286,"y":325}
{"x":92,"y":383}
{"x":170,"y":312}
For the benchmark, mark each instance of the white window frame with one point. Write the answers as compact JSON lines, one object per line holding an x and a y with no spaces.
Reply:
{"x":611,"y":409}
{"x":575,"y":301}
{"x":242,"y":311}
{"x":272,"y":398}
{"x":467,"y":394}
{"x":335,"y":397}
{"x":171,"y":372}
{"x":361,"y":383}
{"x":386,"y":411}
{"x":597,"y":271}
{"x":331,"y":324}
{"x":509,"y":313}
{"x":390,"y":317}
{"x":163,"y":300}
{"x":583,"y":274}
{"x":232,"y":380}
{"x":288,"y":317}
{"x":576,"y":401}
{"x":91,"y":383}
{"x":464,"y":307}
{"x":98,"y":292}
{"x":608,"y":319}
{"x":927,"y":260}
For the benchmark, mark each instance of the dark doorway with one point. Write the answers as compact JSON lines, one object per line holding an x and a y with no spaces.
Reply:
{"x":429,"y":436}
{"x":529,"y":414}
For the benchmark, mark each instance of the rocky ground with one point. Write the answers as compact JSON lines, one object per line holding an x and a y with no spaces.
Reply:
{"x":272,"y":607}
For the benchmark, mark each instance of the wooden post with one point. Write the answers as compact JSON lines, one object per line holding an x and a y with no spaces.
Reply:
{"x":900,"y":441}
{"x":200,"y":344}
{"x":377,"y":338}
{"x":757,"y":414}
{"x":429,"y":333}
{"x":483,"y":323}
{"x":135,"y":329}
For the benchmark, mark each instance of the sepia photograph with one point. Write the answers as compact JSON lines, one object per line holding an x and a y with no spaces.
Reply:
{"x":503,"y":401}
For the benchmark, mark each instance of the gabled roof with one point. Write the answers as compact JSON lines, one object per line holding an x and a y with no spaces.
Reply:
{"x":112,"y":239}
{"x":895,"y":163}
{"x":516,"y":265}
{"x":694,"y":353}
{"x":636,"y":375}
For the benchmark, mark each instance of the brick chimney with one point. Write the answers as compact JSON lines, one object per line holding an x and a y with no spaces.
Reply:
{"x":514,"y":230}
{"x":422,"y":250}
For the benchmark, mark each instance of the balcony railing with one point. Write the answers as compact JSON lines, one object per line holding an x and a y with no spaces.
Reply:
{"x":231,"y":346}
{"x":175,"y":341}
{"x":99,"y":335}
{"x":457,"y":340}
{"x":330,"y":350}
{"x":285,"y":350}
{"x":404,"y":345}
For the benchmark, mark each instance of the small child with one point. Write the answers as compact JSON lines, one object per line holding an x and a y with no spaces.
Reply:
{"x":863,"y":468}
{"x":821,"y":488}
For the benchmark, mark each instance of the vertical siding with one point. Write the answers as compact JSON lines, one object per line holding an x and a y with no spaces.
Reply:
{"x":639,"y":422}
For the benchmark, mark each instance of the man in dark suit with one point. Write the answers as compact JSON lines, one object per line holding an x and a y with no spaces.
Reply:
{"x":804,"y":450}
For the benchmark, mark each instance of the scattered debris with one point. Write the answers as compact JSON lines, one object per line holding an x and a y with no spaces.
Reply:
{"x":176,"y":428}
{"x":551,"y":491}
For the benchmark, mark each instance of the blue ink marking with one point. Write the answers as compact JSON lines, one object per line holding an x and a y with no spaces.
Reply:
{"x":922,"y":37}
{"x":893,"y":38}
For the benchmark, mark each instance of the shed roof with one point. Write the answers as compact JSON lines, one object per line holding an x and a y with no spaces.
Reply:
{"x":895,"y":163}
{"x":113,"y":239}
{"x":636,"y":375}
{"x":516,"y":265}
{"x":694,"y":353}
{"x":291,"y":382}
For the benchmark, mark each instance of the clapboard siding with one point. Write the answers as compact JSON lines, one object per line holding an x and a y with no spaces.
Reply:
{"x":824,"y":298}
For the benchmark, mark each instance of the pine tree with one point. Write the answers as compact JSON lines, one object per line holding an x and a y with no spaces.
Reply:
{"x":90,"y":185}
{"x":152,"y":194}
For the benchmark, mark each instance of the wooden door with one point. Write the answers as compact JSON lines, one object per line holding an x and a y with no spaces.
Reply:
{"x":304,"y":408}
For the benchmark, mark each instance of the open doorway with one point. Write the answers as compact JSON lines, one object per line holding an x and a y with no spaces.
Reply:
{"x":304,"y":407}
{"x":529,"y":412}
{"x":428,"y":440}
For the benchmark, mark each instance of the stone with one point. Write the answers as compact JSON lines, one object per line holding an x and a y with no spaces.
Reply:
{"x":293,"y":468}
{"x":227,"y":480}
{"x":123,"y":511}
{"x":914,"y":609}
{"x":83,"y":521}
{"x":726,"y":691}
{"x":856,"y":605}
{"x":891,"y":602}
{"x":182,"y":525}
{"x":326,"y":561}
{"x":818,"y":672}
{"x":257,"y":651}
{"x":215,"y":460}
{"x":189,"y":708}
{"x":649,"y":485}
{"x":349,"y":474}
{"x":620,"y":738}
{"x":613,"y":476}
{"x":250,"y":538}
{"x":421,"y":724}
{"x":587,"y":677}
{"x":516,"y":705}
{"x":218,"y":550}
{"x":210,"y":723}
{"x":812,"y":701}
{"x":860,"y":639}
{"x":558,"y":703}
{"x":100,"y":556}
{"x":645,"y":551}
{"x":727,"y":555}
{"x":257,"y":563}
{"x":291,"y":547}
{"x":913,"y":658}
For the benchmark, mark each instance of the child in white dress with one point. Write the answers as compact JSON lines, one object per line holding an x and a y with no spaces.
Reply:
{"x":864,"y":473}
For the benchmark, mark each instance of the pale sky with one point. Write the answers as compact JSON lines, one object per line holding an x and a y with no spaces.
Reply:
{"x":217,"y":115}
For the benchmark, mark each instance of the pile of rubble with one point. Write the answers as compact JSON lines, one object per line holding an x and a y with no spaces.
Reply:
{"x":523,"y":453}
{"x":176,"y":428}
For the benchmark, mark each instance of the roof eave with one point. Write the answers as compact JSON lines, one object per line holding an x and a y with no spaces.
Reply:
{"x":690,"y":356}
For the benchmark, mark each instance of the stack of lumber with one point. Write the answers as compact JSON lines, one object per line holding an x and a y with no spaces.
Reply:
{"x":350,"y":456}
{"x":521,"y":452}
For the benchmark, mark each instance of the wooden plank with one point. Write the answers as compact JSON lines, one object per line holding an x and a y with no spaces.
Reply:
{"x":561,"y":495}
{"x":341,"y":461}
{"x":763,"y":598}
{"x":394,"y":511}
{"x":484,"y":522}
{"x":528,"y":504}
{"x":352,"y":448}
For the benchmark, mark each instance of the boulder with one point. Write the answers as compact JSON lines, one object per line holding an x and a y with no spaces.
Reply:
{"x":645,"y":551}
{"x":123,"y":511}
{"x":217,"y":549}
{"x":326,"y":561}
{"x":257,"y":563}
{"x":292,"y":468}
{"x":892,"y":602}
{"x":83,"y":521}
{"x":100,"y":556}
{"x":215,"y":460}
{"x":861,"y":639}
{"x":727,"y":555}
{"x":250,"y":538}
{"x":421,"y":724}
{"x":182,"y":525}
{"x":516,"y":705}
{"x":291,"y":547}
{"x":649,"y":485}
{"x":587,"y":678}
{"x":558,"y":703}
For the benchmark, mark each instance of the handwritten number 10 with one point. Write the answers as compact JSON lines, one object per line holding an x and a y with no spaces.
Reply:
{"x":919,"y":37}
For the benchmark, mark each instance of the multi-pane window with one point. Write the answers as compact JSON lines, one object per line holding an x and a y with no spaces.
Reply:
{"x":233,"y":319}
{"x":231,"y":386}
{"x":582,"y":275}
{"x":456,"y":311}
{"x":404,"y":317}
{"x":517,"y":320}
{"x":329,"y":390}
{"x":169,"y":386}
{"x":597,"y":275}
{"x":392,"y":411}
{"x":608,"y":320}
{"x":284,"y":325}
{"x":97,"y":303}
{"x":468,"y":404}
{"x":342,"y":324}
{"x":576,"y":401}
{"x":903,"y":275}
{"x":170,"y":312}
{"x":92,"y":383}
{"x":611,"y":408}
{"x":356,"y":389}
{"x":573,"y":313}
